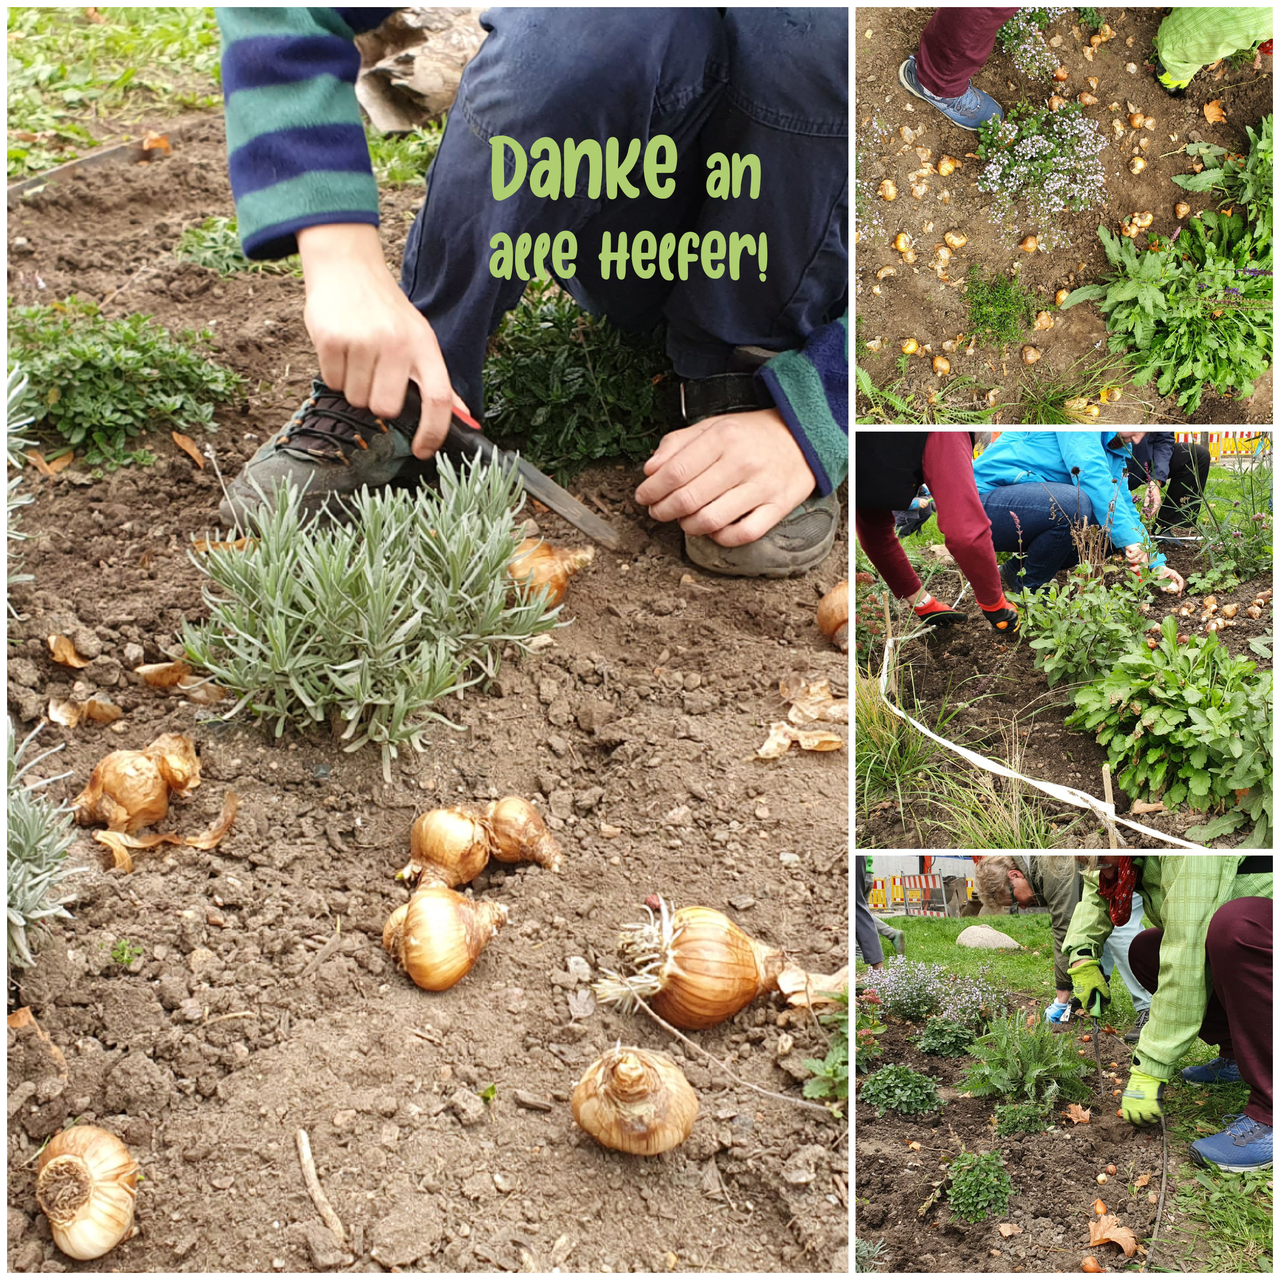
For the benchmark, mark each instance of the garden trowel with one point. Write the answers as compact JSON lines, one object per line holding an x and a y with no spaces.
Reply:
{"x":465,"y":439}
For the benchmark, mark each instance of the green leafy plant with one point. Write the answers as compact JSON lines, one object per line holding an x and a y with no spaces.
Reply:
{"x":40,"y":833}
{"x":1000,"y":308}
{"x":100,"y":383}
{"x":313,"y":626}
{"x":1261,"y":645}
{"x":1090,"y":19}
{"x":124,"y":952}
{"x":1222,"y":577}
{"x":1025,"y":1063}
{"x":215,"y":245}
{"x":402,"y":159}
{"x":945,"y":1039}
{"x":1238,"y":537}
{"x":1021,"y":1117}
{"x":868,"y":1028}
{"x":979,"y":1186}
{"x":1196,"y":311}
{"x":958,"y":401}
{"x":1243,"y":180}
{"x":1039,"y":162}
{"x":830,"y":1079}
{"x":570,"y":386}
{"x":900,"y":1089}
{"x":1187,"y":722}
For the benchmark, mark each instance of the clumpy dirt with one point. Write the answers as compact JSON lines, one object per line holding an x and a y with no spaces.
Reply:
{"x":913,"y":303}
{"x":968,"y":663}
{"x":262,"y":1003}
{"x":1054,"y":1175}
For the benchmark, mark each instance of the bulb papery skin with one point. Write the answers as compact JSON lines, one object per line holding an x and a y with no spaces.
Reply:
{"x":129,"y":790}
{"x":440,"y":935}
{"x":448,"y":847}
{"x":536,"y":564}
{"x":86,"y":1184}
{"x":519,"y":834}
{"x":634,"y":1101}
{"x":833,"y":615}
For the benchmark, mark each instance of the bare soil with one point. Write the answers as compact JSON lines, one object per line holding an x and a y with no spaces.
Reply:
{"x":1053,"y":1173}
{"x":914,"y":304}
{"x":956,"y":664}
{"x":262,"y":1002}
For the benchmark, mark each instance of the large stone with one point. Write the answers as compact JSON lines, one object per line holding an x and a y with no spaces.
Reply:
{"x":985,"y":938}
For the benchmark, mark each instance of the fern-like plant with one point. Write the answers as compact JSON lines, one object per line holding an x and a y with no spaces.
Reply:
{"x":1019,"y":1063}
{"x":367,"y":626}
{"x":40,"y":833}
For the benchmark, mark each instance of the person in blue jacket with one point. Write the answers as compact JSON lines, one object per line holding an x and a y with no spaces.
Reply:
{"x":1160,"y":459}
{"x":1034,"y":485}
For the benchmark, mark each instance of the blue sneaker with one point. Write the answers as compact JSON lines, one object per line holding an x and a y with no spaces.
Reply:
{"x":969,"y":110}
{"x":1219,"y":1071}
{"x":1242,"y":1147}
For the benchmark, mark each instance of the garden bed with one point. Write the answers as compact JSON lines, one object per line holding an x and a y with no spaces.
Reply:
{"x":260,"y":1000}
{"x":1054,"y":1176}
{"x":913,"y":304}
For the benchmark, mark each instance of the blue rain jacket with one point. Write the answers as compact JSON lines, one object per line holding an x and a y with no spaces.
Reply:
{"x":1023,"y":457}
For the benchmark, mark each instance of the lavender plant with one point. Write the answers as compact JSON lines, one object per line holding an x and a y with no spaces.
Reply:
{"x":15,"y":444}
{"x":1023,"y":40}
{"x":1040,"y":162}
{"x":910,"y":989}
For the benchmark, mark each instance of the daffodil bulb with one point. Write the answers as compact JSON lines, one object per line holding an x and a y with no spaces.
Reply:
{"x":635,"y":1101}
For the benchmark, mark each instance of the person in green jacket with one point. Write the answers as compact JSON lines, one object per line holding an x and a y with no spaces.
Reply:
{"x":1194,"y":37}
{"x":1053,"y":880}
{"x":1207,"y":962}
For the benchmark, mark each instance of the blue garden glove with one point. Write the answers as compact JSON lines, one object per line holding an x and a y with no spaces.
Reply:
{"x":1090,"y":987}
{"x":1143,"y":1094}
{"x":1058,"y":1011}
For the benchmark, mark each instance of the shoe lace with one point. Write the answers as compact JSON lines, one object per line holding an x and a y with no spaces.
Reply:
{"x":1241,"y":1125}
{"x":327,"y":417}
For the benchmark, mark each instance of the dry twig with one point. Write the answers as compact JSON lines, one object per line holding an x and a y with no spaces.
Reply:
{"x":315,"y":1190}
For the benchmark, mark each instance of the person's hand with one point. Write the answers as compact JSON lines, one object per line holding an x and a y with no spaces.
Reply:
{"x":730,"y":478}
{"x":369,"y":338}
{"x":1090,"y":986}
{"x":1176,"y":583}
{"x":1058,"y":1011}
{"x":1143,"y":1094}
{"x":1151,"y":503}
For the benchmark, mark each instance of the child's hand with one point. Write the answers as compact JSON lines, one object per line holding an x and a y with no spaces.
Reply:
{"x":730,"y":478}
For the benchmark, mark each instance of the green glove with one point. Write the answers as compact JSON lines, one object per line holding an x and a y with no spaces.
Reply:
{"x":1142,"y":1097}
{"x":1090,"y":987}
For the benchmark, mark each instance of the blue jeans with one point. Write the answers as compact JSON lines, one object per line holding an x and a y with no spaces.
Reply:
{"x":772,"y":83}
{"x":1045,"y":511}
{"x":1115,"y":953}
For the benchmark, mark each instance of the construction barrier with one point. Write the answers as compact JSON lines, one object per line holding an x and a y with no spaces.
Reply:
{"x":1223,"y":444}
{"x":918,"y":895}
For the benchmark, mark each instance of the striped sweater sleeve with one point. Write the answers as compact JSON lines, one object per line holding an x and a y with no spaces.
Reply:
{"x":295,"y":140}
{"x":810,"y":388}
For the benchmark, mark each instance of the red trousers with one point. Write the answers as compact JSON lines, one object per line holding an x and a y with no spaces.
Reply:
{"x":966,"y":530}
{"x":954,"y":45}
{"x":1237,"y":1019}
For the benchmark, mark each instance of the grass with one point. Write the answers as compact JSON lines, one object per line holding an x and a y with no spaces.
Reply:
{"x":1224,"y":1219}
{"x":1000,"y":309}
{"x":68,"y":70}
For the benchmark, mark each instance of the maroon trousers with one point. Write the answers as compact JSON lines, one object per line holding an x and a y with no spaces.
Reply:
{"x":954,"y":45}
{"x":966,"y":528}
{"x":1238,"y":1016}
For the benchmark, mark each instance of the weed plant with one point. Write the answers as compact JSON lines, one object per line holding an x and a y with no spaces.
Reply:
{"x":367,"y":627}
{"x":1223,"y":578}
{"x":1022,"y":39}
{"x":866,"y":1033}
{"x":1240,"y":180}
{"x":1043,"y":396}
{"x":911,"y":990}
{"x":40,"y":833}
{"x":958,"y":402}
{"x":1188,"y":722}
{"x":100,"y":383}
{"x":1090,"y":19}
{"x":830,"y":1079}
{"x":979,"y":1186}
{"x":1028,"y":1064}
{"x":215,"y":245}
{"x":1238,"y":538}
{"x":1039,"y":162}
{"x":901,"y":1090}
{"x":572,"y":387}
{"x":981,"y":811}
{"x":1195,"y":310}
{"x":944,"y":1038}
{"x":401,"y":160}
{"x":1001,"y":310}
{"x":1021,"y":1117}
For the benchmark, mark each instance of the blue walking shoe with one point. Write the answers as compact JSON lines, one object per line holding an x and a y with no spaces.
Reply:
{"x":1219,"y":1071}
{"x":1240,"y":1148}
{"x":969,"y":110}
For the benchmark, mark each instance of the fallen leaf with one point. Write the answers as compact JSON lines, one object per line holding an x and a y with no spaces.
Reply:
{"x":61,"y":462}
{"x":782,"y":735}
{"x":1108,"y":1228}
{"x":1214,"y":113}
{"x":186,"y":443}
{"x":940,"y":553}
{"x":163,"y":675}
{"x":1142,"y":1180}
{"x":65,"y":653}
{"x":1078,"y":1114}
{"x":64,"y":712}
{"x":812,"y":700}
{"x":119,"y":843}
{"x":36,"y":458}
{"x":240,"y":544}
{"x":1008,"y":1229}
{"x":219,"y":828}
{"x":101,"y":711}
{"x":202,"y":692}
{"x":913,"y":1146}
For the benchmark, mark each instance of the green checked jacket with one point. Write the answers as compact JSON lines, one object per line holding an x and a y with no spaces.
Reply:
{"x":1179,"y":895}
